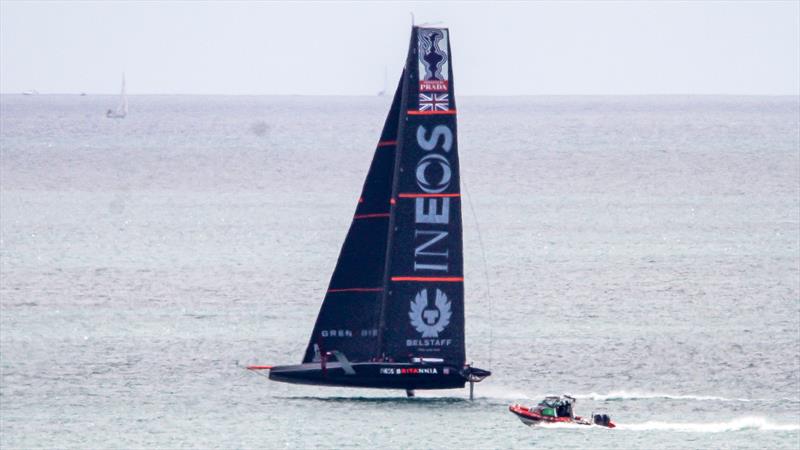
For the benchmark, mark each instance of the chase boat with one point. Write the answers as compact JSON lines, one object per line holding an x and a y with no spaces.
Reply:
{"x":555,"y":409}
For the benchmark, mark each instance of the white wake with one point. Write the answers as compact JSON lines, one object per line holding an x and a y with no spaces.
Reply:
{"x":756,"y":423}
{"x":637,"y":395}
{"x":499,"y":392}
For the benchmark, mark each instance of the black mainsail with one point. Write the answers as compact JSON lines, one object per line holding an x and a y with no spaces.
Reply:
{"x":393,"y":315}
{"x":423,"y":308}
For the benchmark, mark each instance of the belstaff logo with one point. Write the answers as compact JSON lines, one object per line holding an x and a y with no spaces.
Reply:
{"x":430,"y":320}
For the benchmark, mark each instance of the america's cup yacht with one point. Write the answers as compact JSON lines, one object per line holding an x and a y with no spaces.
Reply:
{"x":393,"y":314}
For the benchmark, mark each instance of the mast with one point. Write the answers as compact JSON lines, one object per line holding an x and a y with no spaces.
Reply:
{"x":403,"y":90}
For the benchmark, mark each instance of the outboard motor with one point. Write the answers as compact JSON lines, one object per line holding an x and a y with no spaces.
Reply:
{"x":602,"y":419}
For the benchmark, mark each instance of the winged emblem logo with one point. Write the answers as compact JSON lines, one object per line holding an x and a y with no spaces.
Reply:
{"x":430,"y":320}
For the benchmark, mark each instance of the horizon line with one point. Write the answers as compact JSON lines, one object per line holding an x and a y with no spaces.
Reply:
{"x":86,"y":94}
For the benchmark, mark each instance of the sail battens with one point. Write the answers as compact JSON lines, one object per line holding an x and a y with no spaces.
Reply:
{"x":331,"y":291}
{"x":430,"y":279}
{"x":371,"y":216}
{"x":412,"y":112}
{"x":386,"y":143}
{"x":428,"y":195}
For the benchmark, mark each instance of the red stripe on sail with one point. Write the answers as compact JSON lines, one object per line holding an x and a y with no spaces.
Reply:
{"x":386,"y":143}
{"x":430,"y":279}
{"x":370,"y":216}
{"x":411,"y":112}
{"x":427,"y":195}
{"x":356,"y":290}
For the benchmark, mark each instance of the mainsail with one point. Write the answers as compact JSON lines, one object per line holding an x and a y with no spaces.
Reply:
{"x":397,"y":291}
{"x":423,"y":307}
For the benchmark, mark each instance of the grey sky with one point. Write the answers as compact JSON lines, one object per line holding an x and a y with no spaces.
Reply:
{"x":344,"y":48}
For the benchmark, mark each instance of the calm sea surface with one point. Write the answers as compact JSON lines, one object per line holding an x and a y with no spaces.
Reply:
{"x":641,"y":253}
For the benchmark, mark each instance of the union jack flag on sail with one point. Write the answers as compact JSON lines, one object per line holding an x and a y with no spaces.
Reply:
{"x":434,"y":102}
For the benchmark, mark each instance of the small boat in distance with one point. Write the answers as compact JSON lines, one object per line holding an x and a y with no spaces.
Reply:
{"x":393,"y":314}
{"x":122,"y":108}
{"x":30,"y":92}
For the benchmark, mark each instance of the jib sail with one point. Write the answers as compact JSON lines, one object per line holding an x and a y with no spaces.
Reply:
{"x":423,"y":304}
{"x":350,"y":313}
{"x":397,"y":291}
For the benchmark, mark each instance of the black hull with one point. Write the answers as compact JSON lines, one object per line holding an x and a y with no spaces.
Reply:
{"x":373,"y":375}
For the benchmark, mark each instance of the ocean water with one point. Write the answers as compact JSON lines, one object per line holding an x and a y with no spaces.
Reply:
{"x":641,"y":253}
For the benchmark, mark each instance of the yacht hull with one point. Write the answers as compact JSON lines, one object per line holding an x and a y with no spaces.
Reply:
{"x":407,"y":376}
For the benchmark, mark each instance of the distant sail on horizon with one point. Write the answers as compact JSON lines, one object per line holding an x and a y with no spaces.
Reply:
{"x":122,"y":108}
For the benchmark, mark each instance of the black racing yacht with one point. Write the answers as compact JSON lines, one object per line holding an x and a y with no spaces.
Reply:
{"x":393,"y":315}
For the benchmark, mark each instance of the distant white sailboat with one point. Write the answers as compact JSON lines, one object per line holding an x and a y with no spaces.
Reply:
{"x":122,"y":109}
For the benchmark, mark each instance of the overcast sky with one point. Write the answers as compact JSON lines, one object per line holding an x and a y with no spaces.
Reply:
{"x":721,"y":47}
